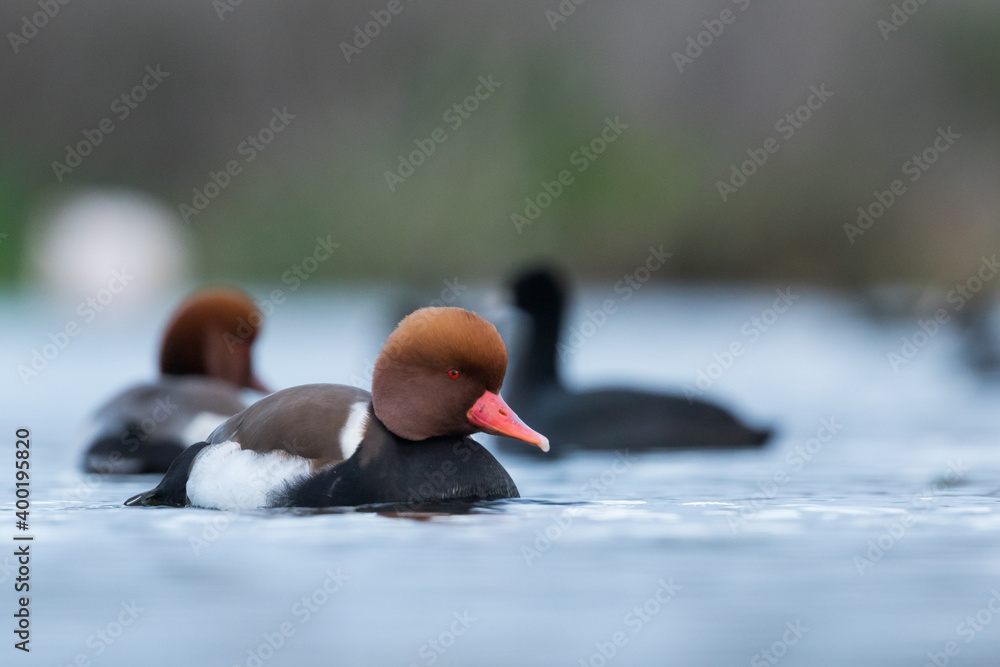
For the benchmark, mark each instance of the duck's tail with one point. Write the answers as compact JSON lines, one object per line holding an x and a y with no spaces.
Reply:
{"x":172,"y":489}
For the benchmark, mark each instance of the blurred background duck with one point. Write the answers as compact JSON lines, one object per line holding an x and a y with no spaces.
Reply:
{"x":205,"y":367}
{"x":612,"y":418}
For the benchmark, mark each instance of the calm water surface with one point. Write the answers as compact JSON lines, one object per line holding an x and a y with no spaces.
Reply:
{"x":867,"y":534}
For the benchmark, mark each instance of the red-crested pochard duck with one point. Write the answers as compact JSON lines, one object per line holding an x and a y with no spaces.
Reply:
{"x":605,"y":418}
{"x":205,"y":364}
{"x":436,"y":382}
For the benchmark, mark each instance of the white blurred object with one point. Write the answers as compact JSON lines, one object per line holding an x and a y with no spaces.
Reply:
{"x":76,"y":246}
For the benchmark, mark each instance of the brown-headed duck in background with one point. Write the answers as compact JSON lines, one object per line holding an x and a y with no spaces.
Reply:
{"x":205,"y":365}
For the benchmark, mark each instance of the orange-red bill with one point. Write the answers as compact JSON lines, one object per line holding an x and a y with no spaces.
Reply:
{"x":492,"y":415}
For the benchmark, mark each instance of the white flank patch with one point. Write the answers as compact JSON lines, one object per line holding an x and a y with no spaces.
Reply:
{"x":354,"y":430}
{"x":201,"y":426}
{"x":225,"y":477}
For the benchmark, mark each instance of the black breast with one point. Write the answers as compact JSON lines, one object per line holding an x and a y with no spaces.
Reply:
{"x":389,"y":469}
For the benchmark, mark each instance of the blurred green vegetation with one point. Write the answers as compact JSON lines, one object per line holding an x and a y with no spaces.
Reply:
{"x":324,"y":175}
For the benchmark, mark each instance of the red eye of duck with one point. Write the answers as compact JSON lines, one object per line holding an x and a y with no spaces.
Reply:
{"x":454,"y":374}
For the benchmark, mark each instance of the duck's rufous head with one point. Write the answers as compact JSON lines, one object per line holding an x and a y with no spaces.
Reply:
{"x":212,"y":334}
{"x":439,"y":374}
